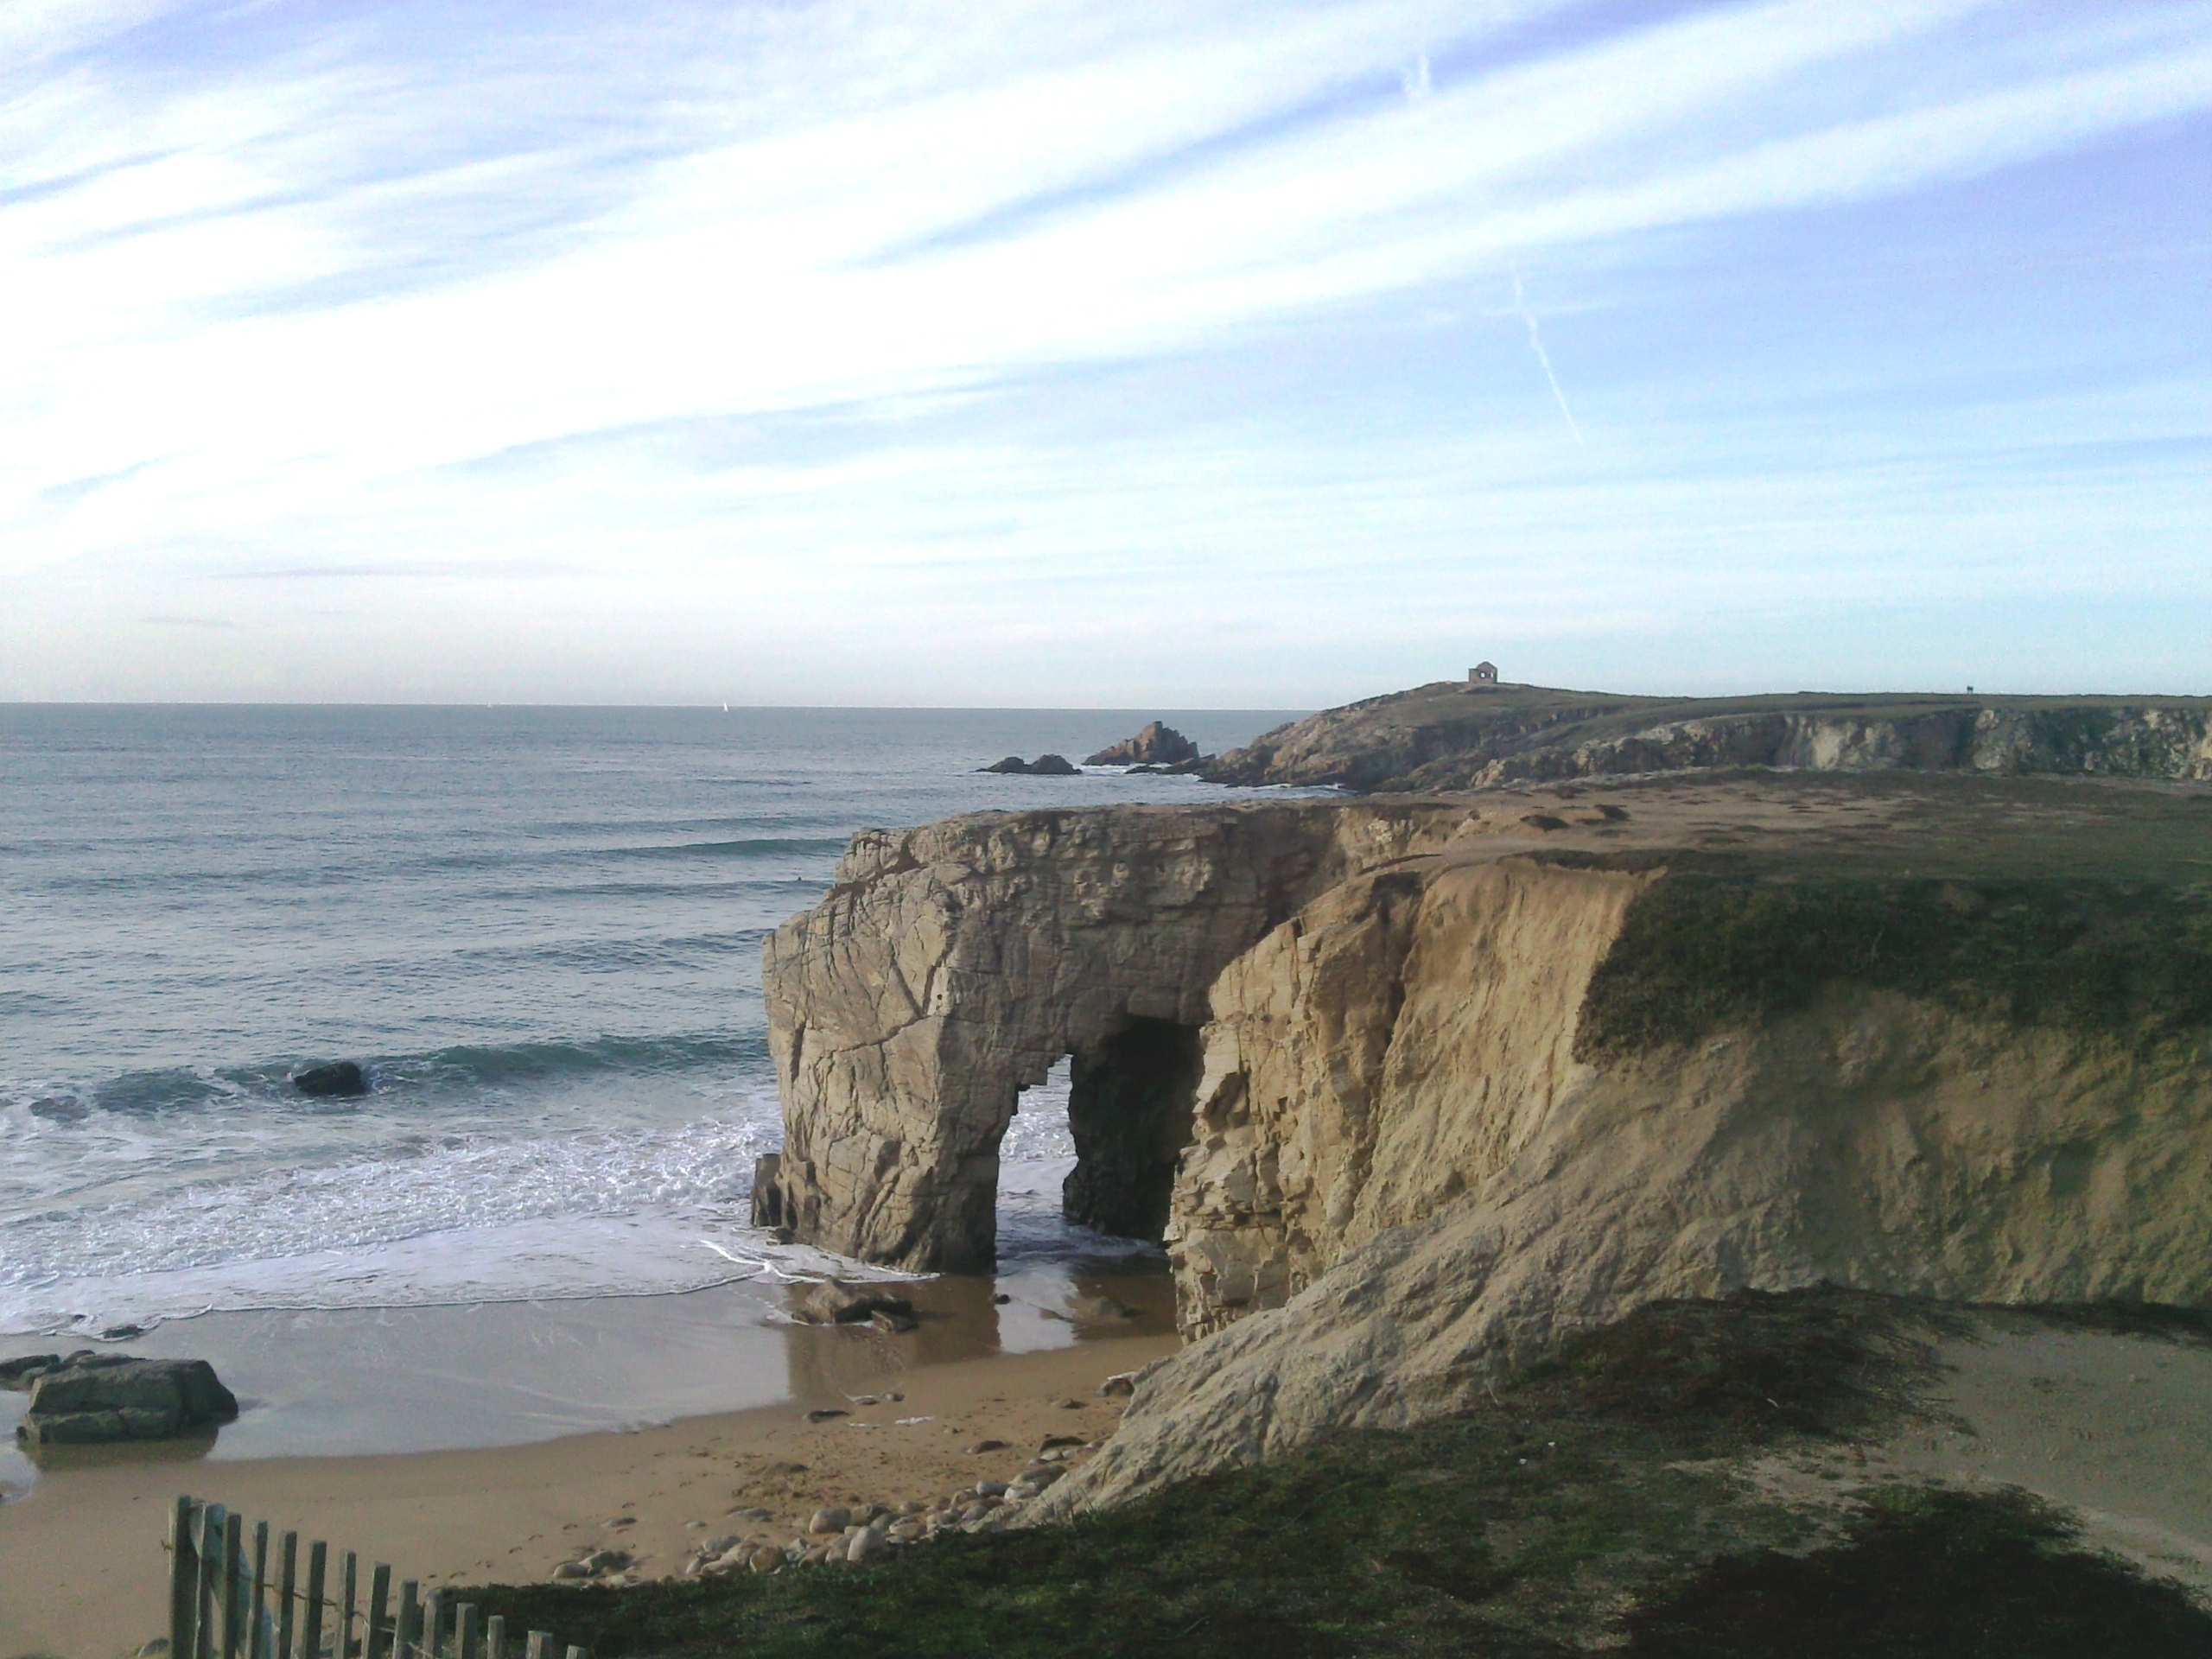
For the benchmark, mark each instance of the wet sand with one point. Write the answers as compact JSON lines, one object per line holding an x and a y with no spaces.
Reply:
{"x":81,"y":1563}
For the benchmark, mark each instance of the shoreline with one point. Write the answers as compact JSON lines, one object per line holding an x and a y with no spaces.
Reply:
{"x":90,"y":1537}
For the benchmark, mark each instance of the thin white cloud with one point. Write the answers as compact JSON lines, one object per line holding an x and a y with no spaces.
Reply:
{"x":281,"y":309}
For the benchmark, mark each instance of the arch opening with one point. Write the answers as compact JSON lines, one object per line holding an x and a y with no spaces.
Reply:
{"x":1132,"y":1100}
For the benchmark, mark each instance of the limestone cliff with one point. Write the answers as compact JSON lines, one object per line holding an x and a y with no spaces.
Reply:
{"x":1411,"y":1089}
{"x":951,"y":966}
{"x":1452,"y":736}
{"x":1872,"y":1140}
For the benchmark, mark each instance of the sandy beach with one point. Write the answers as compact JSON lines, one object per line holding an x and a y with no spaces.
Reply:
{"x":81,"y":1563}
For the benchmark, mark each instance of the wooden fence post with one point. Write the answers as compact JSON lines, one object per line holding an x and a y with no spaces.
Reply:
{"x":541,"y":1645}
{"x":233,"y":1561}
{"x":211,"y":1560}
{"x":373,"y":1642}
{"x":318,"y":1568}
{"x":407,"y":1639}
{"x":495,"y":1637}
{"x":464,"y":1630}
{"x":346,"y":1602}
{"x":257,"y":1645}
{"x":433,"y":1624}
{"x":184,"y":1579}
{"x":289,"y":1548}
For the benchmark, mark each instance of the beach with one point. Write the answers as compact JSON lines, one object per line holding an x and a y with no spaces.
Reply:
{"x":82,"y":1569}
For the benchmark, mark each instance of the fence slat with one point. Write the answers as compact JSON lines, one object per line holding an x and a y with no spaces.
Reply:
{"x":541,"y":1645}
{"x":464,"y":1630}
{"x":495,"y":1637}
{"x":373,"y":1644}
{"x":233,"y":1565}
{"x":318,"y":1570}
{"x":210,"y":1563}
{"x":346,"y":1602}
{"x":433,"y":1623}
{"x":408,"y":1639}
{"x":184,"y":1578}
{"x":256,"y":1635}
{"x":288,"y":1584}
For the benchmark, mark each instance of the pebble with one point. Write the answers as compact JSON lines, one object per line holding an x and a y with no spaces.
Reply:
{"x":1121,"y":1382}
{"x":824,"y":1414}
{"x":1073,"y":1404}
{"x":986,"y":1446}
{"x":991,"y":1489}
{"x":572,"y":1570}
{"x":832,"y":1519}
{"x":767,"y":1560}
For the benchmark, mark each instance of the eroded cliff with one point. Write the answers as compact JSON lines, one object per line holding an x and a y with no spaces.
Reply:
{"x":1452,"y":736}
{"x":1418,"y":1088}
{"x":952,"y":965}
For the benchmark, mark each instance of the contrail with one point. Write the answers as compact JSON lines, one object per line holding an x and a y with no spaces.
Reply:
{"x":1536,"y":341}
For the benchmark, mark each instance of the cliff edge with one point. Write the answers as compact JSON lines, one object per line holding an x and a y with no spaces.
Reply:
{"x":1448,"y":735}
{"x":1413,"y":1090}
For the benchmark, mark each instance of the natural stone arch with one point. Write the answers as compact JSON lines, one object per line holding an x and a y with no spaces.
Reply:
{"x":1131,"y":1106}
{"x":951,"y":965}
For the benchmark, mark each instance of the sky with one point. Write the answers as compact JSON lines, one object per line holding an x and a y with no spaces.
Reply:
{"x":1173,"y":352}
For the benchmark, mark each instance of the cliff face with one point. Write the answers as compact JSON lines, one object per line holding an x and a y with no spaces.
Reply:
{"x":951,"y":965}
{"x":1412,"y":1090}
{"x":1396,"y":1043}
{"x":1872,"y":1140}
{"x":1448,"y":737}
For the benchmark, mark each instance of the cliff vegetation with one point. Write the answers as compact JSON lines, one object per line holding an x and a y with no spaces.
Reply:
{"x":1701,"y":949}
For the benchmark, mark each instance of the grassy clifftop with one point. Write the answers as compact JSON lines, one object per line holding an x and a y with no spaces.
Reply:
{"x":2132,"y":961}
{"x":1449,"y":735}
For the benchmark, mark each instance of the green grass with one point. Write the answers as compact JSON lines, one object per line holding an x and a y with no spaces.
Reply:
{"x":1595,"y":1491}
{"x":1700,"y":949}
{"x":1928,"y":1574}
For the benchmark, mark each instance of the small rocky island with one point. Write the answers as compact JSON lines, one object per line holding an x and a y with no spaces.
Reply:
{"x":1155,"y":745}
{"x":1044,"y":765}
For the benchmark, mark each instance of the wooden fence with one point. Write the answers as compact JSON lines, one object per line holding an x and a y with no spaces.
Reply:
{"x":225,"y":1605}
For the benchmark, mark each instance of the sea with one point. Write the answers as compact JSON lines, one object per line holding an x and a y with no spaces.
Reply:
{"x":539,"y":929}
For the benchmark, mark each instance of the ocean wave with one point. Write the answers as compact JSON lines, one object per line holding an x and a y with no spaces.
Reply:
{"x":315,"y":870}
{"x":458,"y":1068}
{"x":406,"y":1218}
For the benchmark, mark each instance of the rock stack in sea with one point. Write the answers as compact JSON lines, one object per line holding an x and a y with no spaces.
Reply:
{"x":1157,"y":745}
{"x":1044,"y":765}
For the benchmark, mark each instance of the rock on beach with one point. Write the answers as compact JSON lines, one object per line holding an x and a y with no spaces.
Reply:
{"x":93,"y":1399}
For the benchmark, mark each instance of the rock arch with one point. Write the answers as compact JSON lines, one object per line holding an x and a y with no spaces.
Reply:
{"x":951,"y":965}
